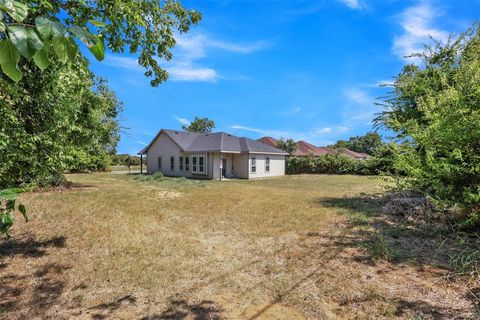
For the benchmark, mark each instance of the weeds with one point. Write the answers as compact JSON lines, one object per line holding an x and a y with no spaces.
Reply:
{"x":466,"y":262}
{"x":380,"y":248}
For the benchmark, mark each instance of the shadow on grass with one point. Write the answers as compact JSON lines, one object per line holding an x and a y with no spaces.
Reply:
{"x":182,"y":309}
{"x":106,"y":309}
{"x":18,"y":291}
{"x":29,"y":247}
{"x":40,"y":289}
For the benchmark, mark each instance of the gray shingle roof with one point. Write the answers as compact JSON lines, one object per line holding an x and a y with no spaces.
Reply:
{"x":215,"y":142}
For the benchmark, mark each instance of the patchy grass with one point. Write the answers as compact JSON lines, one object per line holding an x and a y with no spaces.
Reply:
{"x":296,"y":247}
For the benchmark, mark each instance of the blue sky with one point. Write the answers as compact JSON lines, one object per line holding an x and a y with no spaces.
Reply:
{"x":296,"y":69}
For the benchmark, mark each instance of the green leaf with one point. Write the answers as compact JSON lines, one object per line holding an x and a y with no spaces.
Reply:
{"x":72,"y":48}
{"x":41,"y":58}
{"x":97,"y":23}
{"x":60,"y":48}
{"x":10,"y":194}
{"x":9,"y":57}
{"x":48,"y":28}
{"x":23,"y":211}
{"x":2,"y":26}
{"x":17,"y":10}
{"x":84,"y":35}
{"x":98,"y":50}
{"x":26,"y":40}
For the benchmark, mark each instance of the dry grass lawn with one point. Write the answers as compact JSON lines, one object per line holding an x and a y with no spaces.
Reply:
{"x":295,"y":247}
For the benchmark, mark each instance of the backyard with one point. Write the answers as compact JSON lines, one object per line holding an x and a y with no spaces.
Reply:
{"x":121,"y":246}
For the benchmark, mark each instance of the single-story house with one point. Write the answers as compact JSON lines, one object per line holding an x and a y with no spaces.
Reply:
{"x":212,"y":156}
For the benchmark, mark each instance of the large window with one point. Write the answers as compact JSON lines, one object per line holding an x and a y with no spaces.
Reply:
{"x":172,"y":163}
{"x":187,"y":163}
{"x":159,"y":163}
{"x":180,"y":162}
{"x":267,"y":164}
{"x":253,"y":167}
{"x":199,"y":163}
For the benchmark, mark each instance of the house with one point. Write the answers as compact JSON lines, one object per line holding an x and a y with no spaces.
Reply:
{"x":212,"y":156}
{"x":307,"y":149}
{"x":351,"y":154}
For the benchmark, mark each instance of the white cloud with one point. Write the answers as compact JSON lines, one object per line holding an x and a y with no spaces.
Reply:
{"x":142,"y":143}
{"x":193,"y":47}
{"x":189,"y":50}
{"x":323,"y":130}
{"x":352,"y":4}
{"x":122,"y":62}
{"x":186,"y":72}
{"x":417,"y":23}
{"x":359,"y":109}
{"x":183,"y":121}
{"x":267,"y":132}
{"x":358,"y":96}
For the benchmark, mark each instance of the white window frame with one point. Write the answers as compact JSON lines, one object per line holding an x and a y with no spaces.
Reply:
{"x":253,"y":165}
{"x":267,"y":164}
{"x":196,"y":163}
{"x":172,"y":163}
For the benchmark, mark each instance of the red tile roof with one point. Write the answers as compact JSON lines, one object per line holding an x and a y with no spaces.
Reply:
{"x":305,"y":149}
{"x":269,"y":140}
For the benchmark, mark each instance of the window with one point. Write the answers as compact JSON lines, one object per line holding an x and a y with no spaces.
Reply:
{"x":253,"y":168}
{"x":194,"y":164}
{"x":199,"y":164}
{"x":267,"y":164}
{"x":172,"y":163}
{"x":187,"y":163}
{"x":159,"y":163}
{"x":180,"y":161}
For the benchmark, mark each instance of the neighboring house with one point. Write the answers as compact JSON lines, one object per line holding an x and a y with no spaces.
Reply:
{"x":351,"y":154}
{"x":212,"y":156}
{"x":307,"y":149}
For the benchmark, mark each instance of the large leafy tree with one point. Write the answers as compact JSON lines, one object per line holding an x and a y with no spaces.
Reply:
{"x":435,"y":111}
{"x":288,"y":145}
{"x":62,"y":118}
{"x":367,"y":143}
{"x":37,"y":29}
{"x":200,"y":125}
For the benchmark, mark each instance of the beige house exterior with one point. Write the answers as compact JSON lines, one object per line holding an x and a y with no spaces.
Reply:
{"x":212,"y":156}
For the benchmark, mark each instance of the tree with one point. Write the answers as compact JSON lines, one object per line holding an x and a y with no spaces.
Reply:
{"x":38,"y":29}
{"x":62,"y":118}
{"x":289,"y":145}
{"x":367,"y":143}
{"x":200,"y":125}
{"x":435,"y":112}
{"x":132,"y":161}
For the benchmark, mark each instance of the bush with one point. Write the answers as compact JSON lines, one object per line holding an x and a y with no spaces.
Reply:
{"x":434,"y":110}
{"x":331,"y":164}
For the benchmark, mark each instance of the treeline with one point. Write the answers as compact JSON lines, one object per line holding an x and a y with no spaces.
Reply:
{"x":381,"y":163}
{"x":125,"y":160}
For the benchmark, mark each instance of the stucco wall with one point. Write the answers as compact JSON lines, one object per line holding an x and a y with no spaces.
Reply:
{"x":277,"y":165}
{"x":165,"y":147}
{"x":240,"y":166}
